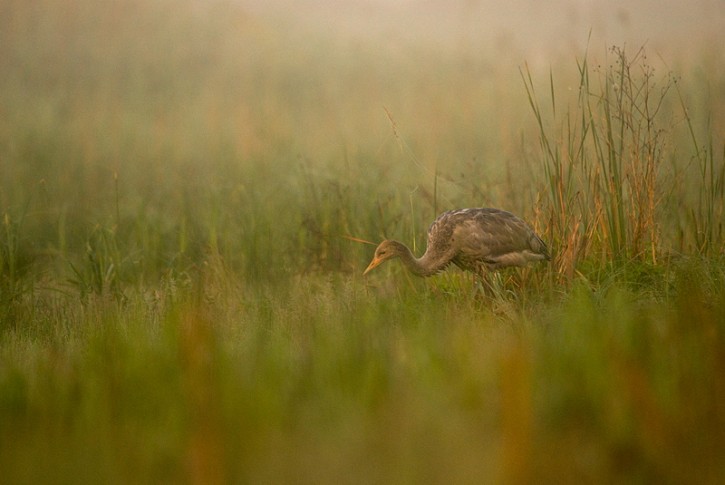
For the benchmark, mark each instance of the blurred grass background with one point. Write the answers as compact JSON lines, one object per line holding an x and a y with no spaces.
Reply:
{"x":178,"y":301}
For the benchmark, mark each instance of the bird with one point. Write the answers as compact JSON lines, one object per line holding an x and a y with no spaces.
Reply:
{"x":474,"y":239}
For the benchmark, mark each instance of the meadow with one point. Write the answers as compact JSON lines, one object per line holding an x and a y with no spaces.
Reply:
{"x":183,"y":191}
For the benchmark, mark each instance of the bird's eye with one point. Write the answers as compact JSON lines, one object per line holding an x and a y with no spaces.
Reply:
{"x":381,"y":253}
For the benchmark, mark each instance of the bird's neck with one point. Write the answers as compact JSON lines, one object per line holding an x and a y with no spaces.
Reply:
{"x":423,"y":266}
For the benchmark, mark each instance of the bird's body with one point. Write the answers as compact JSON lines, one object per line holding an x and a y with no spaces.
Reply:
{"x":473,"y":239}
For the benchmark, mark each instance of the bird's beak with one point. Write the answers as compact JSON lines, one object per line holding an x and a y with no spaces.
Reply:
{"x":375,"y":262}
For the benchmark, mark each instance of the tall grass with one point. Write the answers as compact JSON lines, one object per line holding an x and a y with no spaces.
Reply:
{"x":610,"y":169}
{"x":182,"y":191}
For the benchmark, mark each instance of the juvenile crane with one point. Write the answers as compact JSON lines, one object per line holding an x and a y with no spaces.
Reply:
{"x":475,"y":240}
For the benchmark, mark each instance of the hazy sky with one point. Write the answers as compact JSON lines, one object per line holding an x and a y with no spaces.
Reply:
{"x":530,"y":26}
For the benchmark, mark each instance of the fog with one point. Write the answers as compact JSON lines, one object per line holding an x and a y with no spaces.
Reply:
{"x":526,"y":28}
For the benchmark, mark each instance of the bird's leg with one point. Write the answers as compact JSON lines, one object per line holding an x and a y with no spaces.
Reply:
{"x":483,"y":278}
{"x":524,"y":277}
{"x":495,"y":285}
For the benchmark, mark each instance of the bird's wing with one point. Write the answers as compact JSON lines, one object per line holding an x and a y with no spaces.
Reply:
{"x":491,"y":234}
{"x":484,"y":236}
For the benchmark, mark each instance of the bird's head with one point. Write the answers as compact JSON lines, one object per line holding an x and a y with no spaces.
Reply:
{"x":386,"y":250}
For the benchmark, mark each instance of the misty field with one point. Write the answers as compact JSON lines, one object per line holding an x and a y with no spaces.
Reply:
{"x":184,"y":188}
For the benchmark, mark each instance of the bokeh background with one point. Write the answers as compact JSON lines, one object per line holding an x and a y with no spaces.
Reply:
{"x":185,"y":185}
